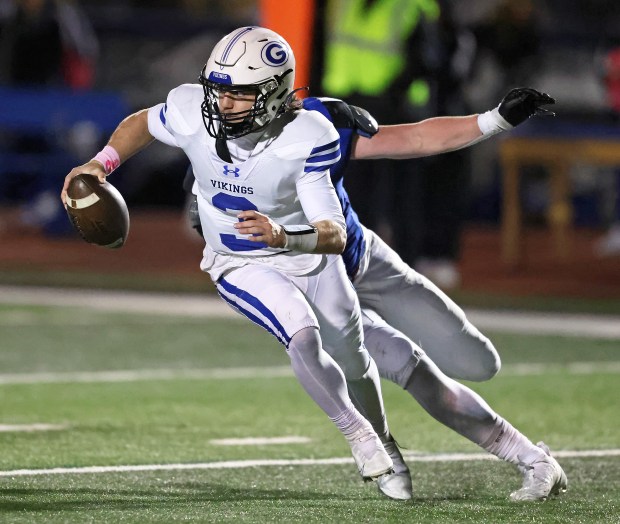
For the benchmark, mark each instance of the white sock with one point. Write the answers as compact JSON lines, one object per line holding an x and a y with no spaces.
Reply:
{"x":349,"y":422}
{"x":511,"y":445}
{"x":357,"y":430}
{"x":366,"y":395}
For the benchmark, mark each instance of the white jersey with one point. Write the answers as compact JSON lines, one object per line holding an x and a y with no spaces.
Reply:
{"x":282,"y":172}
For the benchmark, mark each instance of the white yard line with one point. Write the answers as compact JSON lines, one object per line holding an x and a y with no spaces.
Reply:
{"x":139,"y":375}
{"x":259,"y":441}
{"x":118,"y":301}
{"x":590,"y":326}
{"x":145,"y":374}
{"x":240,"y":464}
{"x":571,"y":368}
{"x":568,"y":325}
{"x":31,"y":428}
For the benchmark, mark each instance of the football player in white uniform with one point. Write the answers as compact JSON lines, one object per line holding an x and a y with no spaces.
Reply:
{"x":275,"y":227}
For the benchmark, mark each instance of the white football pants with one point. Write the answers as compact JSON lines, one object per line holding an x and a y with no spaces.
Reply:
{"x":285,"y":304}
{"x":393,"y":294}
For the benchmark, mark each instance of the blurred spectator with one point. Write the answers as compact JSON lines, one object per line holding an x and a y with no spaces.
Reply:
{"x":612,"y":79}
{"x":511,"y":34}
{"x":44,"y":45}
{"x":508,"y":40}
{"x":428,"y":230}
{"x":30,"y":43}
{"x":404,"y":61}
{"x":610,"y":243}
{"x":46,"y":42}
{"x":375,"y":57}
{"x":80,"y":45}
{"x":238,"y":10}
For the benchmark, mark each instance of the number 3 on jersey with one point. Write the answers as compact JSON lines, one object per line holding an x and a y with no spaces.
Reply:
{"x":234,"y":203}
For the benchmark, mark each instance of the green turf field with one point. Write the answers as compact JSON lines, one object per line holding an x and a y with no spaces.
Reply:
{"x":140,"y":400}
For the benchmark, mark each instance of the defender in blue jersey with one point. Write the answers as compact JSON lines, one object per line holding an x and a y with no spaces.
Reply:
{"x":415,"y":333}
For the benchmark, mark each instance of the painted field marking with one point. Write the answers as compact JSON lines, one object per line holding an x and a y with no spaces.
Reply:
{"x":541,"y":323}
{"x":571,"y":368}
{"x":259,"y":441}
{"x":22,"y":318}
{"x":199,"y":306}
{"x":240,"y":464}
{"x":138,"y":375}
{"x":145,"y":374}
{"x":29,"y":428}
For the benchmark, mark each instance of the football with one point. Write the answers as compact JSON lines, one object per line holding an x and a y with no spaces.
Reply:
{"x":97,"y":211}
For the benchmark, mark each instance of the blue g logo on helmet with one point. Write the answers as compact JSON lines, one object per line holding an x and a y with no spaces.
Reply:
{"x":274,"y":54}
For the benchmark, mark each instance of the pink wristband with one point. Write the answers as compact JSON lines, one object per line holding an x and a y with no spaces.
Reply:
{"x":108,"y":156}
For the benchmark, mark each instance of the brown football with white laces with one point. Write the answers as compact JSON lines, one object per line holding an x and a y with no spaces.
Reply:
{"x":97,"y":211}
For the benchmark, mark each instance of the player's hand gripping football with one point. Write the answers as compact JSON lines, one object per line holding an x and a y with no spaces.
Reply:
{"x":523,"y":102}
{"x":91,"y":168}
{"x":260,"y":228}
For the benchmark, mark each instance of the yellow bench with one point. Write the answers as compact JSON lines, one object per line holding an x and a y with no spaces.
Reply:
{"x":557,"y":154}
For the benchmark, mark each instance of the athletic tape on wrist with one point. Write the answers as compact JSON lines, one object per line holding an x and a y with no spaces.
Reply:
{"x":302,"y":238}
{"x":491,"y":123}
{"x":109,"y":157}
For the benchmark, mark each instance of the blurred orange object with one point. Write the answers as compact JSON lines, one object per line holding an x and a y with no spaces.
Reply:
{"x":295,"y":25}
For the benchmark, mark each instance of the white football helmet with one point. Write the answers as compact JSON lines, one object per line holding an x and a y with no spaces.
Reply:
{"x":251,"y":60}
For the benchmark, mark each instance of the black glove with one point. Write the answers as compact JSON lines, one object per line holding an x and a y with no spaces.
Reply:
{"x":523,"y":102}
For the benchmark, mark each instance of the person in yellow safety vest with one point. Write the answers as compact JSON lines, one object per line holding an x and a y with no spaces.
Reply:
{"x":396,"y":58}
{"x":367,"y":46}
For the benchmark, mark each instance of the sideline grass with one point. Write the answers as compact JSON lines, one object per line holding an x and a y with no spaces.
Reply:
{"x":174,"y":421}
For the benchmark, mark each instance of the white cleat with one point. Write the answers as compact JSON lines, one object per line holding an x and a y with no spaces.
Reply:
{"x":541,"y":478}
{"x":396,"y":485}
{"x":370,"y":456}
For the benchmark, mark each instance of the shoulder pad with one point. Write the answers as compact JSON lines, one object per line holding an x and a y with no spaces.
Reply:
{"x":344,"y":115}
{"x":364,"y":122}
{"x":339,"y":113}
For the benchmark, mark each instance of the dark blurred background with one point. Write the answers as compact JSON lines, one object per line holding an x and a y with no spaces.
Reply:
{"x":71,"y":70}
